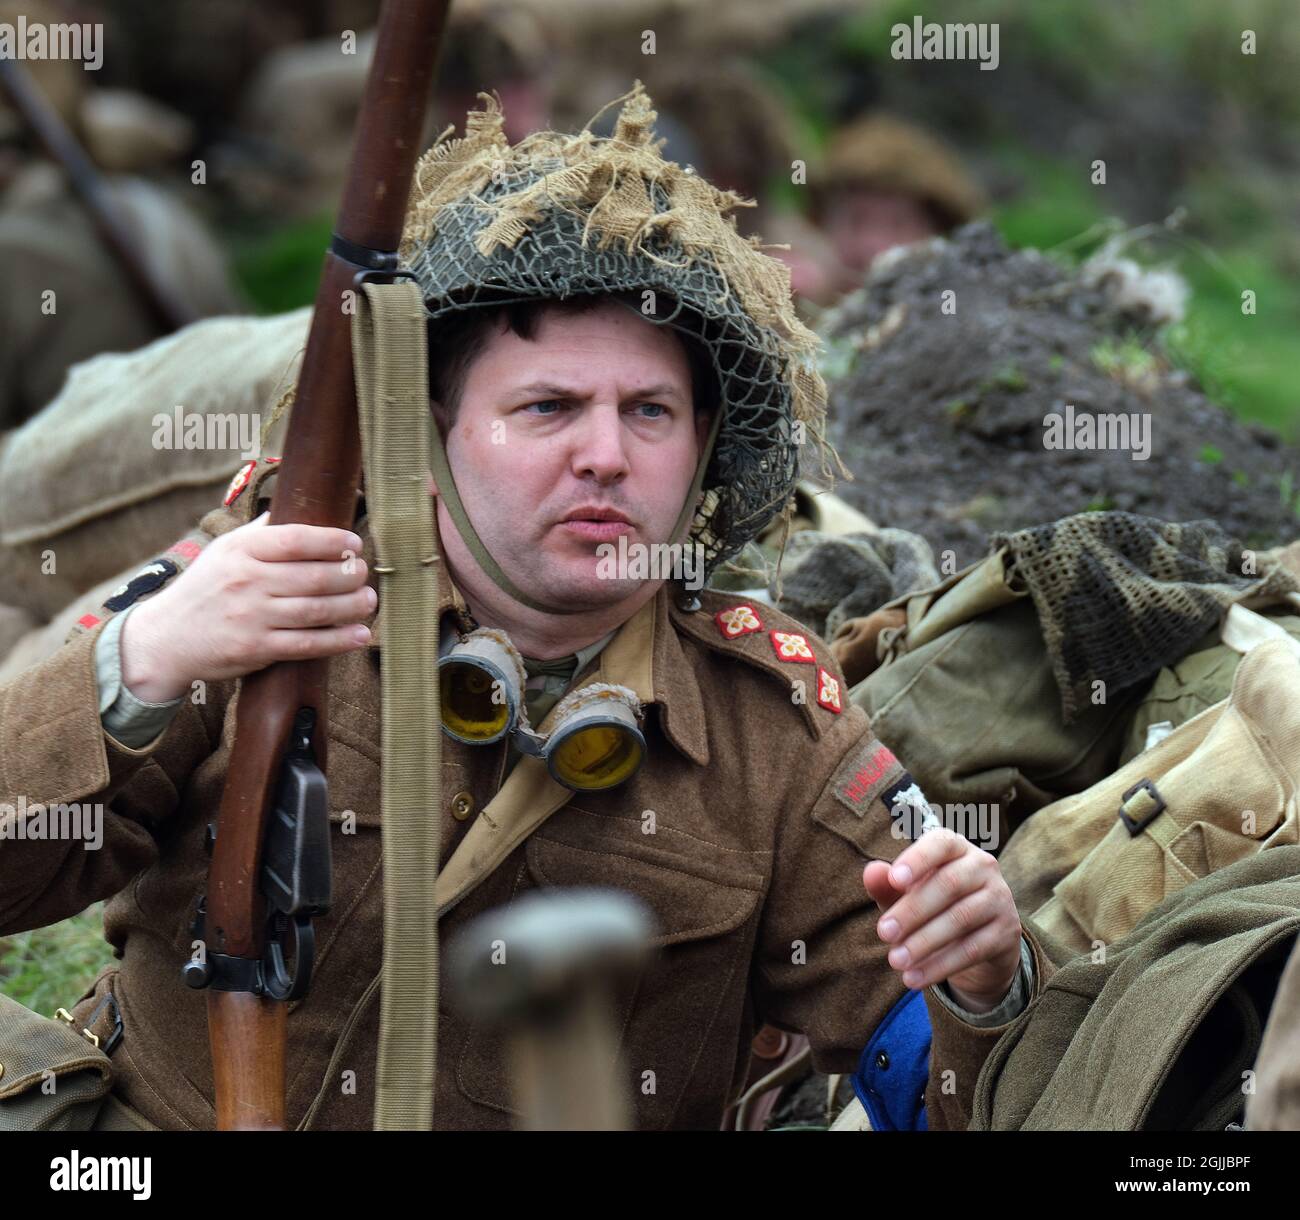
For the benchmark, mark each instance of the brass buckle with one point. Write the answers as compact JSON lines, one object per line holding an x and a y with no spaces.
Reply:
{"x":64,"y":1015}
{"x":114,"y":1038}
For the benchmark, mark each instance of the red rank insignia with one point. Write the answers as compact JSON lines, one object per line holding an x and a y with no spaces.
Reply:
{"x":239,"y":482}
{"x":737,"y":621}
{"x":793,"y":647}
{"x":828,"y":692}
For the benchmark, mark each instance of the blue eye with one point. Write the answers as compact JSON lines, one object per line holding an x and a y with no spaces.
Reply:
{"x":657,"y":407}
{"x":550,"y":402}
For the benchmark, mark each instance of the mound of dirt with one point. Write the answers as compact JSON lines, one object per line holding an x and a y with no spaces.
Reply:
{"x":960,"y":363}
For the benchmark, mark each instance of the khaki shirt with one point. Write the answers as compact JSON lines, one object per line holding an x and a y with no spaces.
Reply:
{"x":745,"y":834}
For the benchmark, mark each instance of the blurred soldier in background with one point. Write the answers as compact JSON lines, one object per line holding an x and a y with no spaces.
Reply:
{"x":885,"y":182}
{"x":64,"y":296}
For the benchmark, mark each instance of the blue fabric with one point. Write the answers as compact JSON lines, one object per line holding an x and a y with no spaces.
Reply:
{"x":895,"y":1066}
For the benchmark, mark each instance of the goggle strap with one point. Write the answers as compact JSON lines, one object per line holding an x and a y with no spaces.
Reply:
{"x":441,"y":471}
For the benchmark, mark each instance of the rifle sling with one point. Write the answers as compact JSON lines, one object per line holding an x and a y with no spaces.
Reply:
{"x":388,"y":343}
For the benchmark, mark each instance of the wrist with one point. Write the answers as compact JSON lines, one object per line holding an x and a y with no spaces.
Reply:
{"x":142,"y":655}
{"x":980,"y":1002}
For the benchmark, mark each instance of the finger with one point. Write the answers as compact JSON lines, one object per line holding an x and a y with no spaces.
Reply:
{"x":344,"y":610}
{"x":958,"y":920}
{"x":925,"y":855}
{"x":876,"y":878}
{"x":315,"y":578}
{"x":278,"y":543}
{"x":980,"y":946}
{"x":318,"y":642}
{"x":931,"y":895}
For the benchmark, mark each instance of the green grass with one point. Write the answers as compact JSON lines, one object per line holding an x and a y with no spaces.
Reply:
{"x":48,"y":968}
{"x":279,"y":271}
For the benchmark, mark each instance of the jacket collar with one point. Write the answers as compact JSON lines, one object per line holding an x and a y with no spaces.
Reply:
{"x":645,"y":655}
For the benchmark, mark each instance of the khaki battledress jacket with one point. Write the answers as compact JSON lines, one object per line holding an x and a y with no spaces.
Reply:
{"x":766,"y":787}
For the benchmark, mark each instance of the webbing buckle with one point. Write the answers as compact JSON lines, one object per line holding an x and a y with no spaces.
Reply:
{"x":1137,"y":825}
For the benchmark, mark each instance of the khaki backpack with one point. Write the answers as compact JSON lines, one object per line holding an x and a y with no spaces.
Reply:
{"x":1217,"y":789}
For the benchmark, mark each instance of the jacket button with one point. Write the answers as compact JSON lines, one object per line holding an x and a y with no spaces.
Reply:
{"x":462,"y":805}
{"x":882,"y":1061}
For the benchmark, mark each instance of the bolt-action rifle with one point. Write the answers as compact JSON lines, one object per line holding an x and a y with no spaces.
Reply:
{"x":270,"y":855}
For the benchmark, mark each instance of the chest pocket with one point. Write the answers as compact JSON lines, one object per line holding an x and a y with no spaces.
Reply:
{"x":680,"y":1020}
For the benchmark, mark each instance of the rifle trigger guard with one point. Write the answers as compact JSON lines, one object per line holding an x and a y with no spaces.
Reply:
{"x":277,"y":982}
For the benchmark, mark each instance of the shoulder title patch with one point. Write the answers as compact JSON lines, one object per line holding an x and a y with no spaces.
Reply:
{"x":866,"y":773}
{"x":238,"y":483}
{"x":243,"y":476}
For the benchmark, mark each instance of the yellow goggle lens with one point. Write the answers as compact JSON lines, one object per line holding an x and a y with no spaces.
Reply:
{"x":471,"y":708}
{"x":599,"y":756}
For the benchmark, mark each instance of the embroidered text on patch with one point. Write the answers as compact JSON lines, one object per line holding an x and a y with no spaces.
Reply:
{"x":864,"y":774}
{"x":737,"y":621}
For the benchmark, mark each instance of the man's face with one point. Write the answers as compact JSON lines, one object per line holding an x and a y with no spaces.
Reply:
{"x":568,"y":440}
{"x":863,"y":223}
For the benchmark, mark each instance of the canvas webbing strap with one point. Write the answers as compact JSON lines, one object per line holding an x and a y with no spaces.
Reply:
{"x":388,"y":347}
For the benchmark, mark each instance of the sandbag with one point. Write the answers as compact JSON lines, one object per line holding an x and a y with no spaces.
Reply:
{"x":84,"y":492}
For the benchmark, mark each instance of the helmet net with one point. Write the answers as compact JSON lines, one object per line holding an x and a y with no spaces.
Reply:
{"x":558,"y":216}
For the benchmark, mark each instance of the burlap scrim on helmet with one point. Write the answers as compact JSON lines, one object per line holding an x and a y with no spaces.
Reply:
{"x":557,"y":216}
{"x":1119,"y":596}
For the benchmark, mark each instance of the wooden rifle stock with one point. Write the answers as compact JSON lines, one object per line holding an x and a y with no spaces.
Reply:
{"x":317,"y":483}
{"x":166,"y":309}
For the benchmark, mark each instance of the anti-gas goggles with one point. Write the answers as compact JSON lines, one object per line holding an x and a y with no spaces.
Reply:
{"x":595,"y":741}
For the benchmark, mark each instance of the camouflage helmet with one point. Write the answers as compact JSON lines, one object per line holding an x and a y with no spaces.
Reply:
{"x":890,"y":154}
{"x":559,"y":216}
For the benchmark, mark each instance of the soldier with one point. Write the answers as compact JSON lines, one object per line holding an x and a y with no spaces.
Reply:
{"x":631,"y":347}
{"x":64,"y":297}
{"x":885,"y":183}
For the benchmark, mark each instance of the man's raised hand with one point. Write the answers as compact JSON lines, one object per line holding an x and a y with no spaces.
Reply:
{"x":948,"y":915}
{"x":259,"y":594}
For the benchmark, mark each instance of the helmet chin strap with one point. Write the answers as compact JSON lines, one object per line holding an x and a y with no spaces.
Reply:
{"x":441,"y":470}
